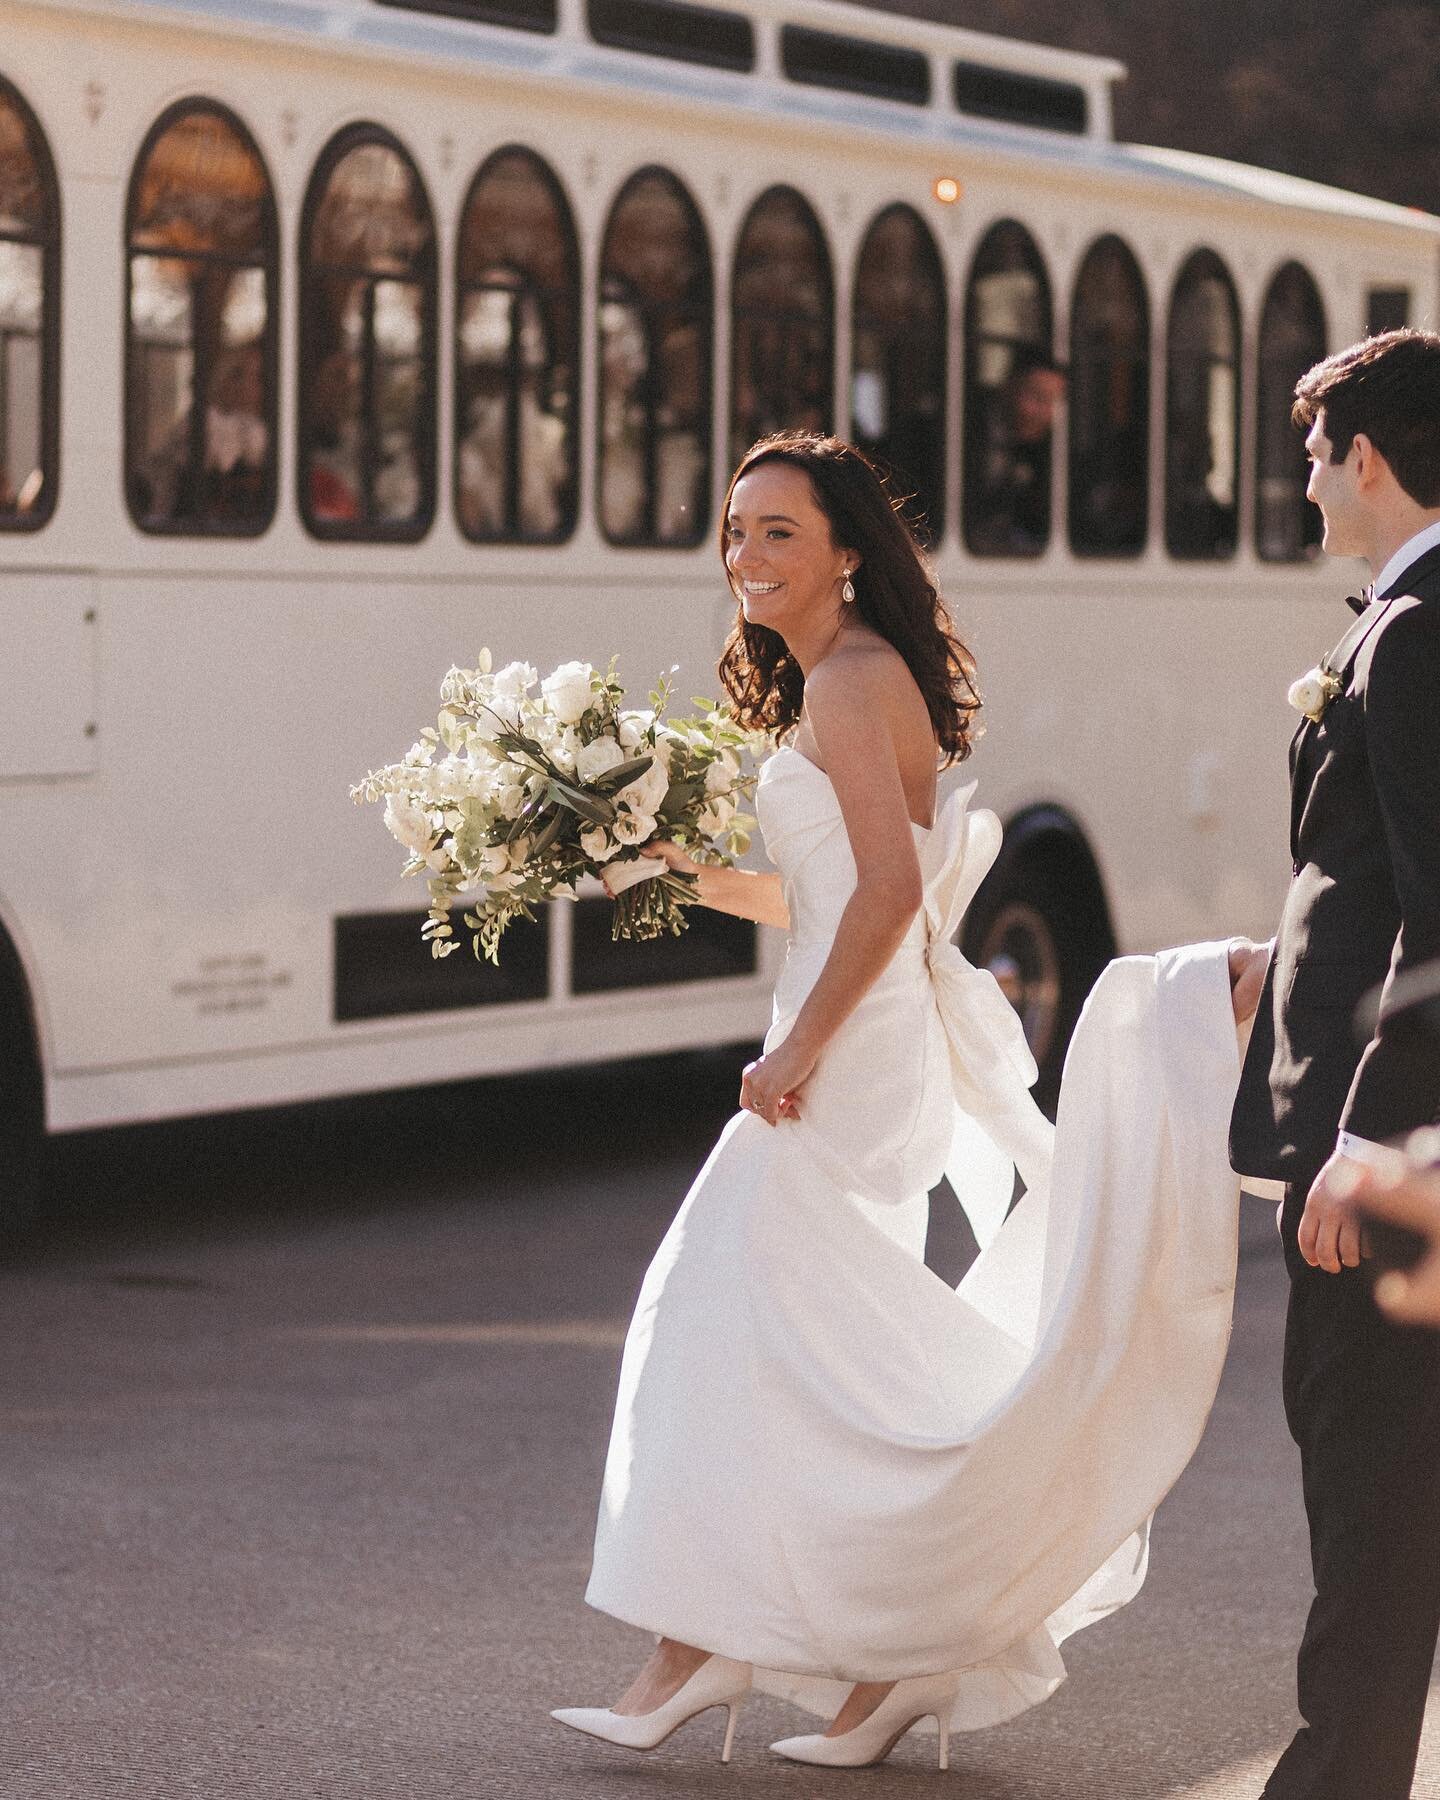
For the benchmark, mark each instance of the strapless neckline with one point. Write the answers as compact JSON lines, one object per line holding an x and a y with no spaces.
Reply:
{"x":800,"y":757}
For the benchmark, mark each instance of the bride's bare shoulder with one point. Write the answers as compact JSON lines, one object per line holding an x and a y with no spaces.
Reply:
{"x":866,"y":669}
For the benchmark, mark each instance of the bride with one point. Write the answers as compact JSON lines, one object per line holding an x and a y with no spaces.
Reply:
{"x":830,"y":1474}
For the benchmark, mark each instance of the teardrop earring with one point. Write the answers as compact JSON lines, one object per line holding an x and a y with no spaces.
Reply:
{"x":847,"y":593}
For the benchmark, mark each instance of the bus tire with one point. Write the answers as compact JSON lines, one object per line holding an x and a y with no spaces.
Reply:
{"x":1040,"y":923}
{"x":22,"y":1097}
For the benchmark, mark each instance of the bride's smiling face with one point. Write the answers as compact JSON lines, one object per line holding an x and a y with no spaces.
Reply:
{"x":783,"y":562}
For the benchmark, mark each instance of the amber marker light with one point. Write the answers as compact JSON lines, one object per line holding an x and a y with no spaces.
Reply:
{"x":947,"y":190}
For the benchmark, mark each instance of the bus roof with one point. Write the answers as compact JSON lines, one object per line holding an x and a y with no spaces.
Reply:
{"x":444,"y":31}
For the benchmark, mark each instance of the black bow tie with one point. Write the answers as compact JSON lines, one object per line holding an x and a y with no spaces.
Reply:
{"x":1358,"y":602}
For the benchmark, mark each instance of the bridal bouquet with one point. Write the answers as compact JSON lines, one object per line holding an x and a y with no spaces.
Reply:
{"x":513,"y":795}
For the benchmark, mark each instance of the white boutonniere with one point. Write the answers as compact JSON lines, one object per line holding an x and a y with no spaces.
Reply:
{"x":1313,"y":692}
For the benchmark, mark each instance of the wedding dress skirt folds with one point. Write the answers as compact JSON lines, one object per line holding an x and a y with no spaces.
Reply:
{"x":827,"y":1462}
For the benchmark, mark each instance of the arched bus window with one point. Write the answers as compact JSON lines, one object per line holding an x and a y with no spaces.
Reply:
{"x":517,"y":355}
{"x":201,"y":319}
{"x":1202,"y":413}
{"x":897,"y":375}
{"x":367,"y":343}
{"x":782,"y":359}
{"x":655,"y":324}
{"x":1109,"y":404}
{"x":29,"y":318}
{"x":1013,"y":388}
{"x":1292,"y":339}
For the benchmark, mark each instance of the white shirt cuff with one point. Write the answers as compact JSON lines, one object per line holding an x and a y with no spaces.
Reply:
{"x":1363,"y":1150}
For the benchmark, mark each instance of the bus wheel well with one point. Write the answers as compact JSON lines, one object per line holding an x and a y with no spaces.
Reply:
{"x":22,"y":1091}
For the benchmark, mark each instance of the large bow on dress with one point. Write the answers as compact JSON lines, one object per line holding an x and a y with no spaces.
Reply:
{"x":998,"y":1126}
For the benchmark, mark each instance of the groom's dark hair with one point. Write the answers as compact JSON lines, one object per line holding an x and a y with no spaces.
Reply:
{"x":1388,"y":388}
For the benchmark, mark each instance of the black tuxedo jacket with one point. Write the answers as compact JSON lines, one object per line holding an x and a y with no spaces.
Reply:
{"x":1364,"y":905}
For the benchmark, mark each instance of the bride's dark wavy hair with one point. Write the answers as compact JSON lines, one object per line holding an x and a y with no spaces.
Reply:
{"x":895,"y":594}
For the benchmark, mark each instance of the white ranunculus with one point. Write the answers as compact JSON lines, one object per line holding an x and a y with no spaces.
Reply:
{"x":716,"y":814}
{"x":567,"y":691}
{"x":409,"y":823}
{"x":633,"y":827}
{"x":1313,"y":692}
{"x":597,"y":759}
{"x":597,"y":844}
{"x":646,"y":793}
{"x":514,"y":681}
{"x":455,"y":686}
{"x":720,"y":776}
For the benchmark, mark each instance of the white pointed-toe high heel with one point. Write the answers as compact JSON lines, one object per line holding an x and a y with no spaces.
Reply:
{"x":717,"y":1682}
{"x":872,"y":1740}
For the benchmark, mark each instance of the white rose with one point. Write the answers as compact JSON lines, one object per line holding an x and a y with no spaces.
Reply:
{"x":510,"y":797}
{"x":646,"y":793}
{"x":716,"y":815}
{"x":566,"y":749}
{"x":519,"y":852}
{"x":501,"y":712}
{"x":493,"y":861}
{"x":567,"y":691}
{"x":720,"y":776}
{"x":597,"y":844}
{"x":597,"y":759}
{"x":633,"y":827}
{"x":409,"y":823}
{"x":633,"y":726}
{"x":514,"y":681}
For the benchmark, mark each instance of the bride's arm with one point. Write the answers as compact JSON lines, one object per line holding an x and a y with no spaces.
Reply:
{"x":744,"y":893}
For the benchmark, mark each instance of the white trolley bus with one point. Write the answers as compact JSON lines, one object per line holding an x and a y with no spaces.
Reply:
{"x":340,"y":337}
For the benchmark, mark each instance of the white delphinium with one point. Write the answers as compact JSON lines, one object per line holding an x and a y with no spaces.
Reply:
{"x":409,"y":822}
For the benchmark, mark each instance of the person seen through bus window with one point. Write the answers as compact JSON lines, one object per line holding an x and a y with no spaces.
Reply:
{"x":1013,"y":499}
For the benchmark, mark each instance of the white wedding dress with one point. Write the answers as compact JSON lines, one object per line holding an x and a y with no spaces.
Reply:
{"x":827,"y":1462}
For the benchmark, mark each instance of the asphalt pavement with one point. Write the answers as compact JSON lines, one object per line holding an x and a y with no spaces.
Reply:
{"x":304,"y":1414}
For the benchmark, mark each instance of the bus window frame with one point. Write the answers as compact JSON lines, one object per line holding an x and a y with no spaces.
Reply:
{"x":829,"y":320}
{"x":515,"y":464}
{"x":1308,"y":555}
{"x":706,"y":434}
{"x":270,"y":344}
{"x":929,"y":519}
{"x":1040,"y":268}
{"x":337,"y":146}
{"x":1198,"y":262}
{"x":49,"y":244}
{"x":1145,"y":339}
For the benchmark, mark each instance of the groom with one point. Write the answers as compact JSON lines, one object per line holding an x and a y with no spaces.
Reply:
{"x":1362,"y":1396}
